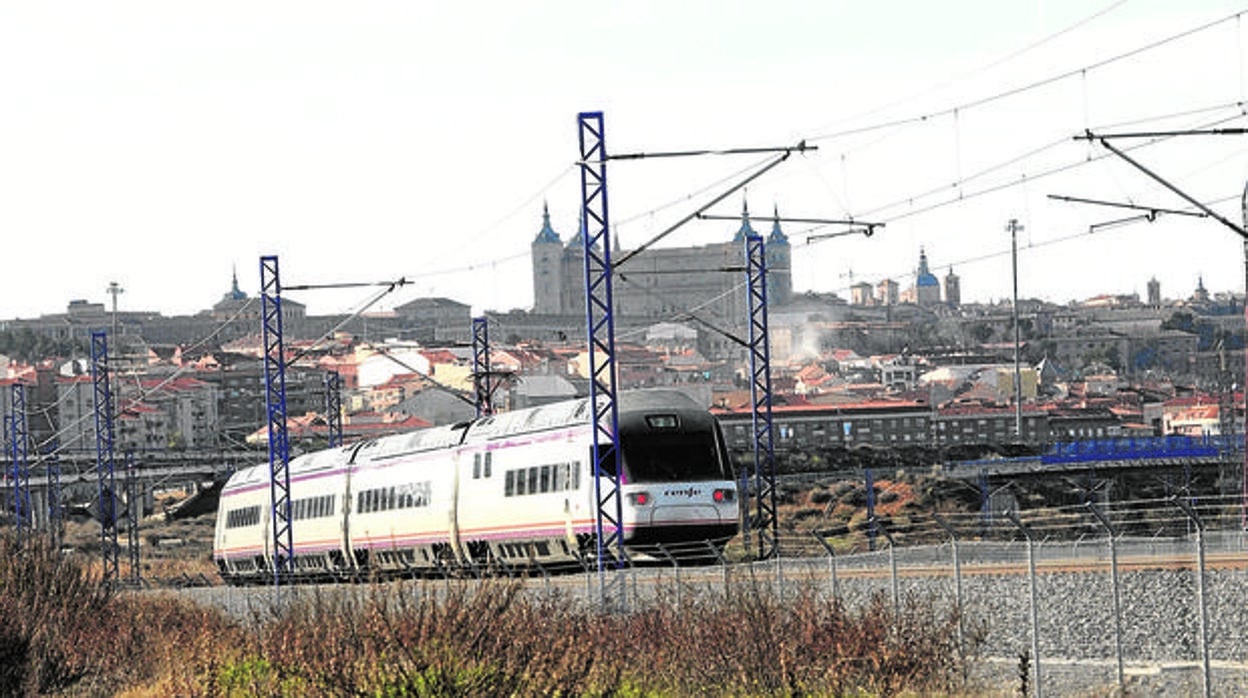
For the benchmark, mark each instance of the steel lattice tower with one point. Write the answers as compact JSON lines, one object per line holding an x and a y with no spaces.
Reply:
{"x":481,"y":367}
{"x":333,"y":407}
{"x":275,"y":403}
{"x":19,"y":440}
{"x":600,"y":323}
{"x":765,"y":521}
{"x":106,"y":484}
{"x":132,"y":520}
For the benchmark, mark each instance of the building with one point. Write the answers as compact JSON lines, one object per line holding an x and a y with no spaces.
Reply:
{"x":1154,"y":292}
{"x":860,"y":294}
{"x":886,"y":292}
{"x":658,"y":283}
{"x":926,"y":287}
{"x":953,"y":289}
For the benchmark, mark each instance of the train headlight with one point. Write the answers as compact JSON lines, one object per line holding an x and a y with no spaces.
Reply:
{"x":722,"y":496}
{"x":640,"y":499}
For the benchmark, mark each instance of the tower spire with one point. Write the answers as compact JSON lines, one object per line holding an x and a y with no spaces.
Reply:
{"x":746,"y":229}
{"x":547,"y":233}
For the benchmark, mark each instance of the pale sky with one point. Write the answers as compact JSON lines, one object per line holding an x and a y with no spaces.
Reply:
{"x":162,"y":144}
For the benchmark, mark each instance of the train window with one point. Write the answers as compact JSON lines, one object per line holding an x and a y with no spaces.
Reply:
{"x":522,"y":482}
{"x":489,"y":457}
{"x":576,"y":476}
{"x":476,"y":466}
{"x":545,"y":479}
{"x":661,"y":421}
{"x":672,"y":456}
{"x":509,"y":483}
{"x":533,"y":480}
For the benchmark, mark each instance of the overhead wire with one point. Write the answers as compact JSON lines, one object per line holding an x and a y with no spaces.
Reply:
{"x":995,"y":63}
{"x":1043,"y":82}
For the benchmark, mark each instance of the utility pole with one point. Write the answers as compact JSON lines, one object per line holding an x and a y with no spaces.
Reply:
{"x":1014,"y":227}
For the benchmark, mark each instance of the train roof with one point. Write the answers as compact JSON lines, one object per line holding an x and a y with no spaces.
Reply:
{"x":567,"y":413}
{"x":411,"y":442}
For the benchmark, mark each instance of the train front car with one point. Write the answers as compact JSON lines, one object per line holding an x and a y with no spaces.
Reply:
{"x":679,"y":494}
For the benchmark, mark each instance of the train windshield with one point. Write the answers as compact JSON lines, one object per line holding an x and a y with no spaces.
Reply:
{"x":672,"y":457}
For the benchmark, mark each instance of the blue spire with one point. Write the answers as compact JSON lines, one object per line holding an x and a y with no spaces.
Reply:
{"x":546,"y":234}
{"x":745,"y":229}
{"x":235,"y":292}
{"x":777,"y":236}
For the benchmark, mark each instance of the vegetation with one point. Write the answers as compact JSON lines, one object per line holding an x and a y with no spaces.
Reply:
{"x":29,"y":347}
{"x":65,"y":635}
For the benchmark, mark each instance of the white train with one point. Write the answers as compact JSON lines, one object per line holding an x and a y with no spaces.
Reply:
{"x":514,"y":489}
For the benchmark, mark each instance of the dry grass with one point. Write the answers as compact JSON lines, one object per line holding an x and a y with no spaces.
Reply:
{"x":65,"y":635}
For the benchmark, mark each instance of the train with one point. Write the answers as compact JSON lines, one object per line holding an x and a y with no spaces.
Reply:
{"x":507,"y":491}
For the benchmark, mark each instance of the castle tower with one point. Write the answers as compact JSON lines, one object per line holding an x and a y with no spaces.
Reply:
{"x":1154,"y":292}
{"x":547,"y":252}
{"x":779,"y":264}
{"x":953,"y":289}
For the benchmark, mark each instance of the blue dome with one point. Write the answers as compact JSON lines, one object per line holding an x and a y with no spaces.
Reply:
{"x":927,"y":280}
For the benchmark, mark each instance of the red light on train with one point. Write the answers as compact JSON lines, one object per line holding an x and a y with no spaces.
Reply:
{"x":640,"y":499}
{"x":721,"y":496}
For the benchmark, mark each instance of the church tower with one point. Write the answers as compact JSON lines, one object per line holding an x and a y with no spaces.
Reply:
{"x":547,"y":251}
{"x":926,"y":287}
{"x":953,"y":289}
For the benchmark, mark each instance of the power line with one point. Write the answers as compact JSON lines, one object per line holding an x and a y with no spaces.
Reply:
{"x":927,"y":116}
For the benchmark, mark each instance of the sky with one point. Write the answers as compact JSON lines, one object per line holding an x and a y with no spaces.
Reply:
{"x":164,"y":145}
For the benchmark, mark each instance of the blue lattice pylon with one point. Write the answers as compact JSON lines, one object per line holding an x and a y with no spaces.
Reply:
{"x":104,"y":466}
{"x":333,"y":407}
{"x":600,"y":324}
{"x":764,"y":521}
{"x":275,"y":407}
{"x":19,"y":440}
{"x":481,"y":383}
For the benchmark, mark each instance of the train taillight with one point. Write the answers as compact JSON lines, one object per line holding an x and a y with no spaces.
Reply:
{"x":639,"y":499}
{"x":721,"y":496}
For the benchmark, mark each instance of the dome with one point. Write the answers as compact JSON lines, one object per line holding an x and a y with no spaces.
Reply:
{"x":925,"y":277}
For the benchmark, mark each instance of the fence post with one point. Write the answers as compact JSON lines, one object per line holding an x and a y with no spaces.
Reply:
{"x":1200,"y":591}
{"x":1113,"y":570}
{"x":1035,"y":613}
{"x":957,"y":575}
{"x":723,"y":565}
{"x":671,"y":559}
{"x":836,"y":590}
{"x":892,"y":561}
